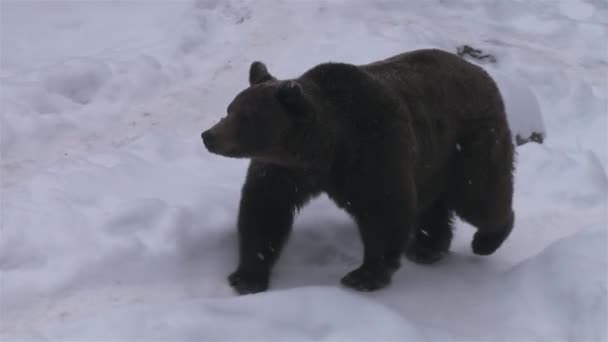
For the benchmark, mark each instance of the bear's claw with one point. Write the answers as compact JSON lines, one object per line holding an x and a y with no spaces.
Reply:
{"x":486,"y":243}
{"x":365,"y":279}
{"x":424,"y":256}
{"x":247,"y":282}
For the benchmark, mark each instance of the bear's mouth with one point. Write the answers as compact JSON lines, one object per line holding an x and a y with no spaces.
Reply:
{"x":229,"y":152}
{"x":215,"y":146}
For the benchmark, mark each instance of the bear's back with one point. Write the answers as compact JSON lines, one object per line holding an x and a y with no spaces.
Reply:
{"x":438,"y":83}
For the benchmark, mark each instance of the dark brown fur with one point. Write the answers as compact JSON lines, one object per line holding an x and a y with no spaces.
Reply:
{"x":402,"y":145}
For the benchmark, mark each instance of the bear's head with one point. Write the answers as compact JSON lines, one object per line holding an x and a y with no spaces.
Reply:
{"x":261,"y":119}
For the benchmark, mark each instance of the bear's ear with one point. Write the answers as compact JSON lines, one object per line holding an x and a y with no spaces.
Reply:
{"x":258,"y":73}
{"x":289,"y":93}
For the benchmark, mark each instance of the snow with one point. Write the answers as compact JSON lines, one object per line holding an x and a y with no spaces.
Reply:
{"x":118,"y":225}
{"x":318,"y":317}
{"x":524,"y":113}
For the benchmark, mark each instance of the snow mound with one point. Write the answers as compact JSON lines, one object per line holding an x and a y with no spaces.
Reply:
{"x":567,"y":279}
{"x":522,"y":107}
{"x":303,"y":314}
{"x":559,"y":294}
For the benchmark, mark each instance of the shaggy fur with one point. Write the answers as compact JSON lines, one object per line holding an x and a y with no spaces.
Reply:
{"x":402,"y":145}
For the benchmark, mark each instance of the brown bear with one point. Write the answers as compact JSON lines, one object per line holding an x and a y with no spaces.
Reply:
{"x":401,"y":144}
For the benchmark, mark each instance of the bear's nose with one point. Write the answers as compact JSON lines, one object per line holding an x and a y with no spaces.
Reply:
{"x":208,"y":139}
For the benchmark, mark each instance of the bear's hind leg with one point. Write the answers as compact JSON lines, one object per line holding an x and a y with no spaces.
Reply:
{"x":433,"y":235}
{"x":486,"y":241}
{"x":482,"y":188}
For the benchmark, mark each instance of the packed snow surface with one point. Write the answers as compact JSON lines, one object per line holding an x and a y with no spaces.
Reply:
{"x":117,"y":225}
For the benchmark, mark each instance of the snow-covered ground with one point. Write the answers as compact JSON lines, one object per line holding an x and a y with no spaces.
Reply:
{"x":117,"y":225}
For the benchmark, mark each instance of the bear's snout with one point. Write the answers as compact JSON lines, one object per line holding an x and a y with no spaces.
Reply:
{"x":209,"y":140}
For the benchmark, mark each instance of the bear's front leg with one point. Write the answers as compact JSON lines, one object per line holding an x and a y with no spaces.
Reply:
{"x":270,"y":197}
{"x":384,"y":218}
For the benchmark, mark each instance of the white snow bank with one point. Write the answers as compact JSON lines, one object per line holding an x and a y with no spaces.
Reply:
{"x":304,"y":314}
{"x":568,"y":280}
{"x":523,"y":111}
{"x":559,"y":294}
